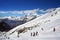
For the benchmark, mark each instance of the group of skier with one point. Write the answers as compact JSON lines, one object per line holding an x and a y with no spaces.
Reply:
{"x":36,"y":33}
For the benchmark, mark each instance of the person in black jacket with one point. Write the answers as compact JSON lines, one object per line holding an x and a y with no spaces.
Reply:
{"x":54,"y":29}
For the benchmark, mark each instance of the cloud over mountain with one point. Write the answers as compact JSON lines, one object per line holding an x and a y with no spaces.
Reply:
{"x":25,"y":12}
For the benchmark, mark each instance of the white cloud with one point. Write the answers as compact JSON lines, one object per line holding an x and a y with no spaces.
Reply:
{"x":3,"y":12}
{"x":20,"y":12}
{"x":43,"y":11}
{"x":12,"y":12}
{"x":31,"y":11}
{"x":26,"y":12}
{"x":15,"y":12}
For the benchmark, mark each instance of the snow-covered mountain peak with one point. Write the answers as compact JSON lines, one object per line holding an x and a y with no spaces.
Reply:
{"x":52,"y":10}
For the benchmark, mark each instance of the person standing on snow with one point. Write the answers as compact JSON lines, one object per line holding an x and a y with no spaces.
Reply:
{"x":54,"y":29}
{"x":42,"y":29}
{"x":36,"y":33}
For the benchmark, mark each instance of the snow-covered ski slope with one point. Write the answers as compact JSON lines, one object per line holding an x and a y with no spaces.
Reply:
{"x":41,"y":28}
{"x":39,"y":20}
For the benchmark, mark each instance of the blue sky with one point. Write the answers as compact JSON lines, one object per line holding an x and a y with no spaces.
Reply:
{"x":17,"y":5}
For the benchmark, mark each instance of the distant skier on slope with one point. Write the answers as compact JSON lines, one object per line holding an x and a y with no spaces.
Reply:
{"x":33,"y":33}
{"x":36,"y":33}
{"x":42,"y":29}
{"x":18,"y":34}
{"x":54,"y":29}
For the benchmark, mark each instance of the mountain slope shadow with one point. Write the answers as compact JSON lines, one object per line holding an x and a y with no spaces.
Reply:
{"x":4,"y":27}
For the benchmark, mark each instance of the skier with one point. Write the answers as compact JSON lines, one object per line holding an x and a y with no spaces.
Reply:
{"x":18,"y":34}
{"x":54,"y":29}
{"x":42,"y":29}
{"x":33,"y":33}
{"x":36,"y":33}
